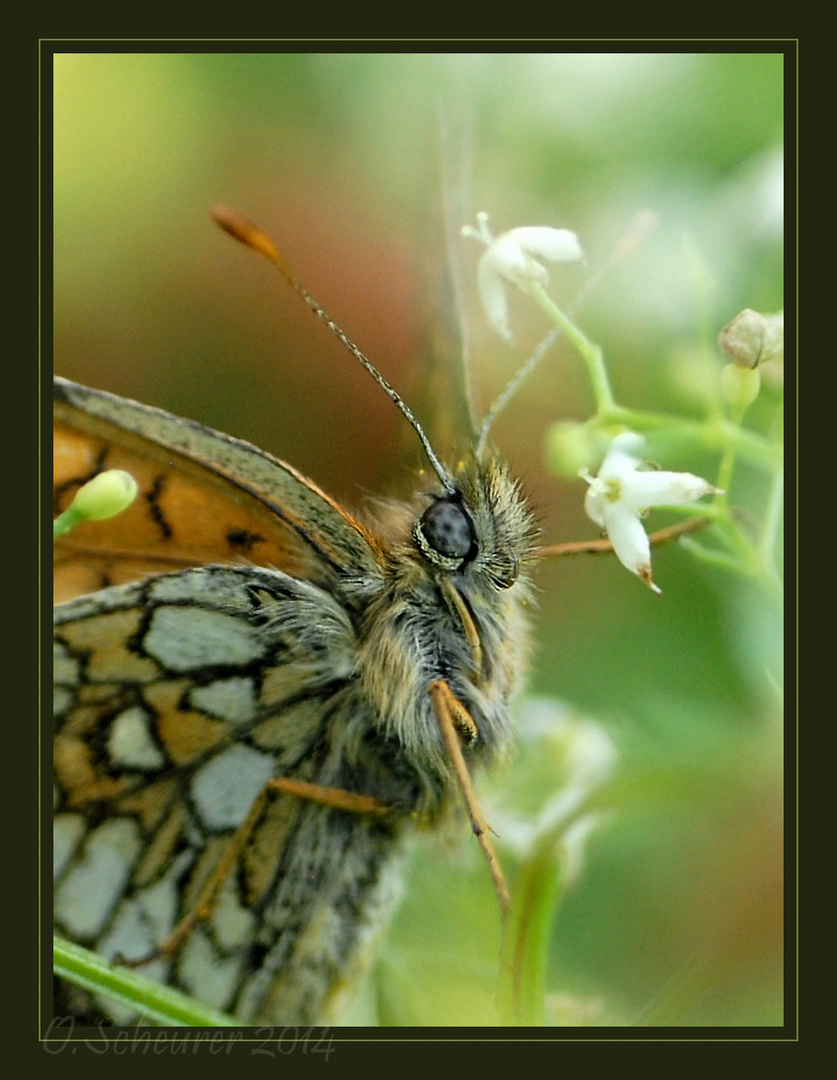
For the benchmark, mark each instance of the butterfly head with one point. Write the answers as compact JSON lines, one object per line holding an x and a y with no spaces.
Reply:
{"x":461,"y":579}
{"x":483,"y":528}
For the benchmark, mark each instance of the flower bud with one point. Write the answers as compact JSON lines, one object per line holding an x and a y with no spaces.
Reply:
{"x":740,"y":386}
{"x":570,"y":448}
{"x":752,"y":338}
{"x":105,"y":496}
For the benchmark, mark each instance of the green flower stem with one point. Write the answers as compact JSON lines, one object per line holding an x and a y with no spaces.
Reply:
{"x":725,"y":468}
{"x":150,"y":999}
{"x":720,"y":431}
{"x":775,"y":505}
{"x":727,"y":462}
{"x":740,"y":556}
{"x":526,"y":933}
{"x":591,"y":354}
{"x":713,"y":433}
{"x":772,"y":519}
{"x":710,"y":434}
{"x":64,"y":522}
{"x":726,"y":560}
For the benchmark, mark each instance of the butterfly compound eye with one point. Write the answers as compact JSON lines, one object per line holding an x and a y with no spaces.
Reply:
{"x":445,"y":533}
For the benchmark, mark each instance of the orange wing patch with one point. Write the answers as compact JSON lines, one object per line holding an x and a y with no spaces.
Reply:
{"x":179,"y":519}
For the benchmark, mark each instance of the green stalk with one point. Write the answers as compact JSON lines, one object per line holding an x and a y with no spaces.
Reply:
{"x":591,"y":354}
{"x":150,"y":999}
{"x":526,"y":937}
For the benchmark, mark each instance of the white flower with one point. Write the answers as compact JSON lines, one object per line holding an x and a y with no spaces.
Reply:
{"x":513,"y":256}
{"x":582,"y":757}
{"x":621,"y":492}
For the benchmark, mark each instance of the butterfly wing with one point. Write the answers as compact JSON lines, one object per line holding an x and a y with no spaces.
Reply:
{"x":176,"y":699}
{"x":204,"y":497}
{"x":180,"y":692}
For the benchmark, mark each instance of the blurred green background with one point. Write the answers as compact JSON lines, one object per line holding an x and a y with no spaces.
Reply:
{"x":676,"y":915}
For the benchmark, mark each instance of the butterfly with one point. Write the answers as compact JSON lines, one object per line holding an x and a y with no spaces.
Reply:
{"x":259,"y":697}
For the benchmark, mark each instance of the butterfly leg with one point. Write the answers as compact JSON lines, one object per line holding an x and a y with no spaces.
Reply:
{"x":337,"y":798}
{"x":203,"y":906}
{"x":456,"y":723}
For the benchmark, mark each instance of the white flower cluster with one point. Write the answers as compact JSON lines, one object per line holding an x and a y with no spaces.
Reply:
{"x":624,"y":488}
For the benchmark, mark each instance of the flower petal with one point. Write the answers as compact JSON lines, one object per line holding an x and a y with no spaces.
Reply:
{"x":493,"y":296}
{"x":622,"y":490}
{"x":623,"y":456}
{"x":506,"y":257}
{"x":657,"y":488}
{"x":557,"y":245}
{"x":629,"y":539}
{"x":514,"y":256}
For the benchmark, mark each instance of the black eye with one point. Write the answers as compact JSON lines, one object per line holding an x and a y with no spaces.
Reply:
{"x":447,"y":529}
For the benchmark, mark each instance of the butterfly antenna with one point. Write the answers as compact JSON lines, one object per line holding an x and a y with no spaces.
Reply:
{"x":251,"y":236}
{"x":512,"y":386}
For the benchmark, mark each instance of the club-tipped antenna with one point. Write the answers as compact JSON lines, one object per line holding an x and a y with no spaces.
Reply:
{"x":252,"y":236}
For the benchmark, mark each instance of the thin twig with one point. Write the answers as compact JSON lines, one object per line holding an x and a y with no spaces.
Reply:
{"x":603,"y":547}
